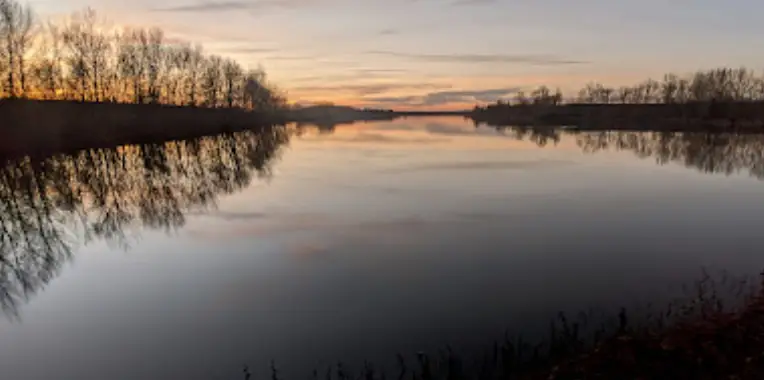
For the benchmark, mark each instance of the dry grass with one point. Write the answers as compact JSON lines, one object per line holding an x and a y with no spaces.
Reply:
{"x":698,"y":338}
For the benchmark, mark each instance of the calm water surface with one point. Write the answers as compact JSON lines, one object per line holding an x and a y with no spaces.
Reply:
{"x":309,"y":246}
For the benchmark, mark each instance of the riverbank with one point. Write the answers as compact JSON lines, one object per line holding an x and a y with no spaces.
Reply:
{"x":697,"y":116}
{"x":45,"y":127}
{"x":701,"y":338}
{"x":333,"y":115}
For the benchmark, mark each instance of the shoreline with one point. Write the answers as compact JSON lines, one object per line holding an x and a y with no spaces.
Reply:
{"x":698,"y":337}
{"x":676,"y":117}
{"x":44,"y":127}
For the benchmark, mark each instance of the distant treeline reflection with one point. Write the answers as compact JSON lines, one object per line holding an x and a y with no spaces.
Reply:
{"x":725,"y":153}
{"x":47,"y":206}
{"x":708,"y":152}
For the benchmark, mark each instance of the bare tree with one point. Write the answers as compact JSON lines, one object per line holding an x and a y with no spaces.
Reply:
{"x":623,"y":94}
{"x":89,"y":49}
{"x":153,"y":55}
{"x":76,"y":39}
{"x":544,"y":96}
{"x":16,"y":23}
{"x":669,"y":88}
{"x":47,"y":69}
{"x":258,"y":95}
{"x":130,"y":63}
{"x":232,"y":76}
{"x":212,"y":81}
{"x":83,"y":59}
{"x":193,"y":62}
{"x":522,"y":99}
{"x":172,"y":63}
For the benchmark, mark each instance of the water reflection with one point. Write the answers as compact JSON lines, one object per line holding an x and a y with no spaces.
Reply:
{"x":377,"y":239}
{"x":724,"y":153}
{"x":48,"y":206}
{"x":714,"y":153}
{"x":539,"y":135}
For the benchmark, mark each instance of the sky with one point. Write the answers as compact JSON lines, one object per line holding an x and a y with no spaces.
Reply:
{"x":450,"y":54}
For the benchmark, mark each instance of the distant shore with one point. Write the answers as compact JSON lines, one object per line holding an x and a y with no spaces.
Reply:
{"x":686,"y":117}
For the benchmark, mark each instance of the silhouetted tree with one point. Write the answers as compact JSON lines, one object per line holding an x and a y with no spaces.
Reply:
{"x":86,"y":60}
{"x":232,"y":79}
{"x":87,"y":48}
{"x":16,"y":22}
{"x":693,"y":92}
{"x":212,"y":81}
{"x":47,"y":70}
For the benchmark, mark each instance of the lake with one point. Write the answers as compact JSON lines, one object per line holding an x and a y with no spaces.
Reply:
{"x":312,"y":245}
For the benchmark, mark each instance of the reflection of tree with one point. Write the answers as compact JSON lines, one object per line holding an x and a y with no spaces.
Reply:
{"x":323,"y":127}
{"x":708,"y":152}
{"x":541,"y":136}
{"x":725,"y":153}
{"x":46,"y":206}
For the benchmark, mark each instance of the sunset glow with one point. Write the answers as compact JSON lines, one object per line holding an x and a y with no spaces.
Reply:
{"x":416,"y":54}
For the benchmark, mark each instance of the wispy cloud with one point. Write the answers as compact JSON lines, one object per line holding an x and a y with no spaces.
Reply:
{"x":380,"y":71}
{"x":473,"y":2}
{"x":234,"y":5}
{"x":250,"y":50}
{"x":369,"y":89}
{"x":352,"y":75}
{"x":207,"y":7}
{"x":290,"y":58}
{"x":528,"y":59}
{"x":448,"y":97}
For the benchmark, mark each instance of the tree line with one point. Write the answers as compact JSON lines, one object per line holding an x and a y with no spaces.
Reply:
{"x":716,"y":85}
{"x":82,"y":59}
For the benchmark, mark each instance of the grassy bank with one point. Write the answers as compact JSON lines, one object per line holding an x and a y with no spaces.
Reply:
{"x":46,"y":127}
{"x":718,"y":333}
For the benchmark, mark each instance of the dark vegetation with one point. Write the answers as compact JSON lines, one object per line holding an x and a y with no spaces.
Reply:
{"x":83,"y":83}
{"x":329,"y":114}
{"x":715,"y":332}
{"x":86,"y":60}
{"x":49,"y":205}
{"x":720,"y":99}
{"x":45,"y":127}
